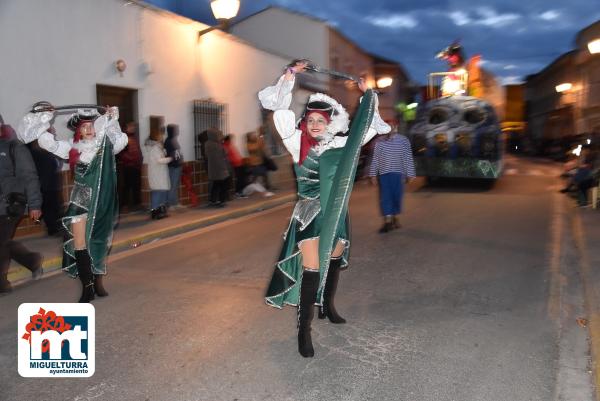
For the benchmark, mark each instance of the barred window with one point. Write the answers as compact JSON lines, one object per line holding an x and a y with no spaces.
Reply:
{"x":207,"y":114}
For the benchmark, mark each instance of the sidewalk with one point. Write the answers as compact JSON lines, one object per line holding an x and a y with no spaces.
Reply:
{"x":586,"y":229}
{"x":136,"y":229}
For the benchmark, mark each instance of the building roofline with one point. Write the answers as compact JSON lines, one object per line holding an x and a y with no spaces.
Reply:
{"x":582,"y":32}
{"x":375,"y":57}
{"x":555,"y":62}
{"x":288,"y":10}
{"x":202,"y":25}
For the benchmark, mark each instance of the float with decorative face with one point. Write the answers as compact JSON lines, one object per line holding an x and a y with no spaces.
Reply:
{"x":457,"y":136}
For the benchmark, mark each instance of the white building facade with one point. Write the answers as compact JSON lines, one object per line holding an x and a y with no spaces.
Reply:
{"x":65,"y":51}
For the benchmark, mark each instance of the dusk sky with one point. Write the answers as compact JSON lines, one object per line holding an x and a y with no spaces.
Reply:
{"x":514,"y":37}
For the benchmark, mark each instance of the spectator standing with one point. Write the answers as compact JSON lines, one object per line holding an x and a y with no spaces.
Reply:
{"x":173,"y":151}
{"x":158,"y":175}
{"x":237,"y":164}
{"x":217,"y":167}
{"x":392,"y":164}
{"x":256,"y":157}
{"x":17,"y":176}
{"x":131,"y":161}
{"x":48,"y":168}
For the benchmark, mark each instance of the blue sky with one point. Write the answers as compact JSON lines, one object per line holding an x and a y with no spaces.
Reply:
{"x":514,"y":37}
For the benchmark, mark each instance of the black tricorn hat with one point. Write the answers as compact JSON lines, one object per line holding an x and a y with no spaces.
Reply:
{"x":319,"y":105}
{"x":81,"y":117}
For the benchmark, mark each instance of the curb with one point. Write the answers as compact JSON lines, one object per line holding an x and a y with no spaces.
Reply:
{"x":21,"y":275}
{"x":591,"y":295}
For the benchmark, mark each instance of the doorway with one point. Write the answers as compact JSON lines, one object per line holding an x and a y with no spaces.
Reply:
{"x":124,"y":98}
{"x":128,"y":177}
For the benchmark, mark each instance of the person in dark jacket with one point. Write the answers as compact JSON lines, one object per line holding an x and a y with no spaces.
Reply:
{"x":48,"y":169}
{"x":174,"y":152}
{"x":131,"y":160}
{"x":17,"y":175}
{"x":217,"y":166}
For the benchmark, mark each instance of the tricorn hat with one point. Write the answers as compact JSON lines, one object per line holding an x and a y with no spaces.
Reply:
{"x":340,"y":120}
{"x":82,"y":116}
{"x":319,"y":105}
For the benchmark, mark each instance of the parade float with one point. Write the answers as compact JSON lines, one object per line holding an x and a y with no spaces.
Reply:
{"x":457,"y":132}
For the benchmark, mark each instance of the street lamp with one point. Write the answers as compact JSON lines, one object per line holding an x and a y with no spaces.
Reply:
{"x":384,"y":82}
{"x":563,"y":87}
{"x":223,"y":10}
{"x":594,"y":46}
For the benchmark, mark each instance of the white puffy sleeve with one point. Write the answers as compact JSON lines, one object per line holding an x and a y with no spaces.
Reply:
{"x":60,"y":148}
{"x":378,"y":126}
{"x":109,"y":126}
{"x":33,"y":125}
{"x":278,"y":96}
{"x":285,"y":123}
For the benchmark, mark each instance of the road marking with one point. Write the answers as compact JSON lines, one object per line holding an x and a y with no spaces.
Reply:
{"x":556,"y":228}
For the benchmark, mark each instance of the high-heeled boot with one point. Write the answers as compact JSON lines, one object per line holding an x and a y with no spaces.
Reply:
{"x":84,"y":269}
{"x":99,"y":285}
{"x":306,"y":310}
{"x":328,"y":309}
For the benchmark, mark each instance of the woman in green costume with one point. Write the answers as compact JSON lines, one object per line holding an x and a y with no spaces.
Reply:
{"x":316,"y":243}
{"x":93,"y":207}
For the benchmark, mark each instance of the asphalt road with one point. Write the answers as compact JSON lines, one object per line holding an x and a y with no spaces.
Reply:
{"x":466,"y":301}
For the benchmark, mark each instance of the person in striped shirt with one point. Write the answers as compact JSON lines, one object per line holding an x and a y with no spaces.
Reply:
{"x":392,"y":165}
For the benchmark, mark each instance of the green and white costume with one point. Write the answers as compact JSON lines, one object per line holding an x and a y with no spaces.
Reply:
{"x":324,"y":178}
{"x":94,"y":195}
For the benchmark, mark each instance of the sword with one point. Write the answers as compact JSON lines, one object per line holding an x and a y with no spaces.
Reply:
{"x":315,"y":68}
{"x":43,"y":106}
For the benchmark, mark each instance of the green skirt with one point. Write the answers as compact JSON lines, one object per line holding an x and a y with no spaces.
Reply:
{"x":286,"y":281}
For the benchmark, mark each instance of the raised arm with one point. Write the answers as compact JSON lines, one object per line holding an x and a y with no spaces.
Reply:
{"x":108,"y":125}
{"x":378,"y":126}
{"x":59,"y":148}
{"x":278,"y":98}
{"x":33,"y":125}
{"x":36,"y":126}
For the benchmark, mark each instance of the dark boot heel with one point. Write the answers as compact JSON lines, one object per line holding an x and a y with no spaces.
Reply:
{"x":99,"y":285}
{"x":84,"y":269}
{"x":328,"y":309}
{"x":308,"y":294}
{"x":87,"y":294}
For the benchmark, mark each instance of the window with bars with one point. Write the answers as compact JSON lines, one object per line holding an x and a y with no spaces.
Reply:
{"x":207,"y":114}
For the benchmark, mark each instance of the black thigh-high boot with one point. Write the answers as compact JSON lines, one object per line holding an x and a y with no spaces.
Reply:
{"x":306,"y":311}
{"x":99,"y":285}
{"x":84,"y":268}
{"x":328,"y":308}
